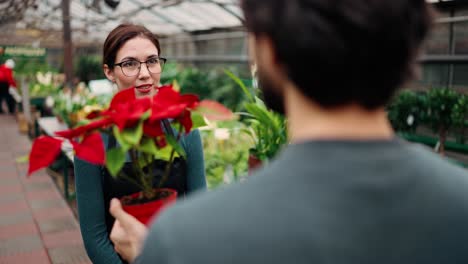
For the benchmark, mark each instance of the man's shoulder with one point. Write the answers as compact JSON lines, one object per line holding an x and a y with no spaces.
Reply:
{"x":432,"y":164}
{"x":215,"y":208}
{"x":213,"y":200}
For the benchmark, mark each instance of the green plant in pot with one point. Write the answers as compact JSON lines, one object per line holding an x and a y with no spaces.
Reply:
{"x":460,"y":117}
{"x":407,"y":111}
{"x":147,"y":130}
{"x":67,"y":105}
{"x":440,"y":108}
{"x":266,"y":127}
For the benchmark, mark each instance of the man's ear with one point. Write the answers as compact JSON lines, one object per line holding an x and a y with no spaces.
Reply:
{"x":266,"y":51}
{"x":109,"y":73}
{"x":267,"y":57}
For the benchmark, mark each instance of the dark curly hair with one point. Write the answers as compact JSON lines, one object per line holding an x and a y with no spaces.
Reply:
{"x":343,"y":51}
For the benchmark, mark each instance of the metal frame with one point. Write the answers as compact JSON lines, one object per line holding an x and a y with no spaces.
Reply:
{"x":211,"y":58}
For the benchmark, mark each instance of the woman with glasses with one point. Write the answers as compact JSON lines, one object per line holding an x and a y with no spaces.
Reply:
{"x":132,"y":60}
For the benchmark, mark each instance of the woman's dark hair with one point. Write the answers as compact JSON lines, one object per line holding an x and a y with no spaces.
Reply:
{"x":121,"y":34}
{"x":343,"y":51}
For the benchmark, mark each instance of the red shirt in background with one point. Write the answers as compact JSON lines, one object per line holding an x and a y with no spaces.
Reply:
{"x":6,"y":75}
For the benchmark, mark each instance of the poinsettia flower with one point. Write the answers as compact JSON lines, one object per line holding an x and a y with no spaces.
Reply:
{"x":167,"y":97}
{"x":81,"y":130}
{"x":186,"y":121}
{"x":122,"y":96}
{"x":44,"y":151}
{"x":161,"y":142}
{"x":152,"y":128}
{"x":168,"y":103}
{"x":91,"y":149}
{"x":94,"y":114}
{"x":128,"y":113}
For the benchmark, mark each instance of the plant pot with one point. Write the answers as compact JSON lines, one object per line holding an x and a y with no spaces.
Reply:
{"x":22,"y":123}
{"x":254,"y":163}
{"x":73,"y":117}
{"x":146,"y":211}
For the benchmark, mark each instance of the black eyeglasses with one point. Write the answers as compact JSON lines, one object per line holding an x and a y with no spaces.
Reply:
{"x":132,"y":68}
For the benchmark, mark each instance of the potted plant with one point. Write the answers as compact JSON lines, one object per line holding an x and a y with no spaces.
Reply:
{"x":407,"y":111}
{"x":441,"y":104}
{"x":266,"y":127}
{"x":137,"y":125}
{"x":460,"y":116}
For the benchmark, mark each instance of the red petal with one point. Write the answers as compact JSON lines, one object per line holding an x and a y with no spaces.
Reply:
{"x":72,"y":133}
{"x":93,"y":114}
{"x":44,"y":151}
{"x":186,"y":121}
{"x":152,"y":129}
{"x":91,"y":149}
{"x":122,"y":97}
{"x":161,"y":142}
{"x":171,"y":111}
{"x":166,"y":96}
{"x":190,"y":99}
{"x":129,"y":113}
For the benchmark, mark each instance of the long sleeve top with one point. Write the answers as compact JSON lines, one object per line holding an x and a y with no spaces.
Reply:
{"x":90,"y":198}
{"x":6,"y":75}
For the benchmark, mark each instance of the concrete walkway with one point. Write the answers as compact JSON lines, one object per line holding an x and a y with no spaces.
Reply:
{"x":36,"y":224}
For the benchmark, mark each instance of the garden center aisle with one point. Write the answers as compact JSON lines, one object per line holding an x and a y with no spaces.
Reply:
{"x":36,"y":224}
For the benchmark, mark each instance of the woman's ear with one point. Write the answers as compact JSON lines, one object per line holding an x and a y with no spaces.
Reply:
{"x":109,"y":73}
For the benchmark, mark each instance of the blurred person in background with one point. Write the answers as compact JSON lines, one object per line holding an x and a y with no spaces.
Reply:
{"x":346,"y":190}
{"x":7,"y":86}
{"x":132,"y":60}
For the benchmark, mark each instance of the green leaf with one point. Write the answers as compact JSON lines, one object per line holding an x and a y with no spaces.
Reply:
{"x":241,"y":84}
{"x":175,"y":86}
{"x":165,"y":153}
{"x":144,"y":159}
{"x":146,"y":115}
{"x":148,"y":146}
{"x":198,"y":120}
{"x":178,"y":148}
{"x":115,"y":159}
{"x":118,"y":136}
{"x":131,"y":136}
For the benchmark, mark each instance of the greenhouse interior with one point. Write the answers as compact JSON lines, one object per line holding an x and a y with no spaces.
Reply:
{"x":54,"y":50}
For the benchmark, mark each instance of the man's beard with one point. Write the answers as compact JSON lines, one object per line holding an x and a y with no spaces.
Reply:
{"x":272,"y":94}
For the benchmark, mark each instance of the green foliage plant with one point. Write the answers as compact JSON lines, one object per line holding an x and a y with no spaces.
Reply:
{"x":407,"y":111}
{"x":266,"y":127}
{"x":460,"y":116}
{"x":89,"y":68}
{"x":225,"y":157}
{"x":207,"y":84}
{"x":440,"y":110}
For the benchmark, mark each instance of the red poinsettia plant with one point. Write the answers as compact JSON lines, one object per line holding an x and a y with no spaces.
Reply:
{"x":136,"y":124}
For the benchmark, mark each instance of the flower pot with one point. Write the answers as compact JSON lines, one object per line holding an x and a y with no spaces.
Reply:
{"x":22,"y":123}
{"x":146,"y":211}
{"x":254,"y":163}
{"x":73,"y":117}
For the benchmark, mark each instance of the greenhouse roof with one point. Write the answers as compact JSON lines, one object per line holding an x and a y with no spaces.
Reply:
{"x":93,"y":19}
{"x":26,"y":21}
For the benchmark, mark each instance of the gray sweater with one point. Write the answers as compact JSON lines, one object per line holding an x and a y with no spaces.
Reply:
{"x":325,"y":202}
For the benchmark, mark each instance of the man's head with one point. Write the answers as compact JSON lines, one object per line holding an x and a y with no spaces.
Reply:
{"x":10,"y":64}
{"x":336,"y":52}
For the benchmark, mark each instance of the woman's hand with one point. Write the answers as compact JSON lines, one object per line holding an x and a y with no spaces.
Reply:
{"x":128,"y":234}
